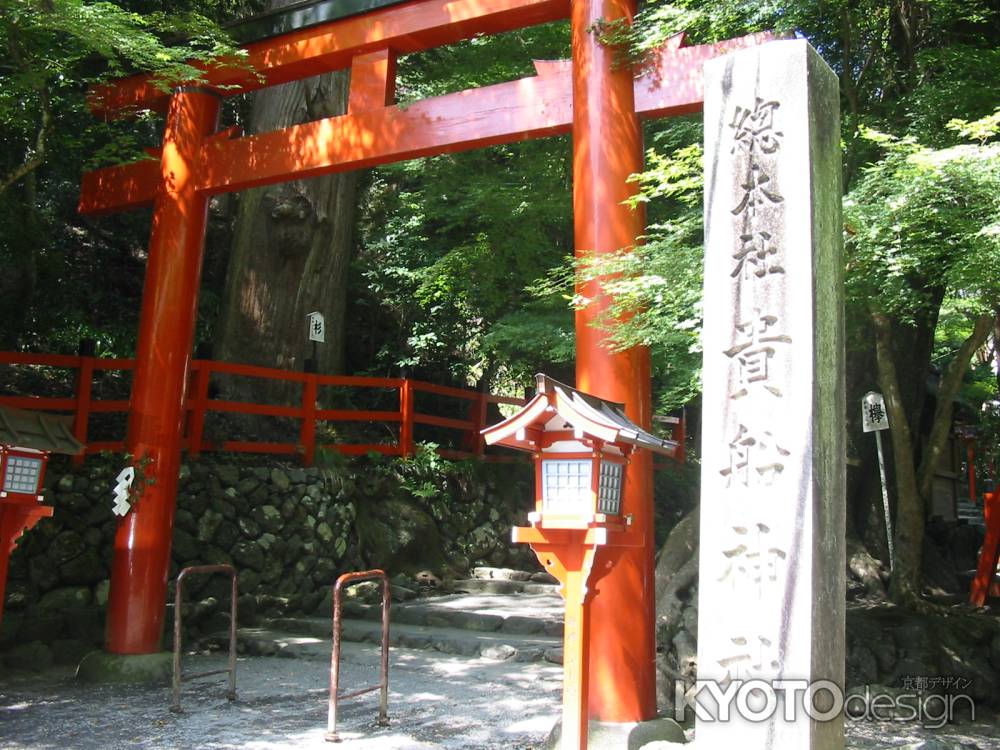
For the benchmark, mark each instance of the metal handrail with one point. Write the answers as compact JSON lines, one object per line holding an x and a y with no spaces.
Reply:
{"x":335,"y":696}
{"x":178,"y":678}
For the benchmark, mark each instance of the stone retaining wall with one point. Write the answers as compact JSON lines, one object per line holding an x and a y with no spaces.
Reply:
{"x":289,"y":531}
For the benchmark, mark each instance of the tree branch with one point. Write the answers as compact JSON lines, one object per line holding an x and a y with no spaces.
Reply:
{"x":35,"y":157}
{"x":950,"y":384}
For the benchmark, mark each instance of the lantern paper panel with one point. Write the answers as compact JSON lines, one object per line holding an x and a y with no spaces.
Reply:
{"x":609,"y":491}
{"x":21,"y":474}
{"x":566,"y":484}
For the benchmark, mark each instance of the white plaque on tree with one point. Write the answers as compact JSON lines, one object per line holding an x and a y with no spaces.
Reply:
{"x":772,"y":569}
{"x":317,"y":327}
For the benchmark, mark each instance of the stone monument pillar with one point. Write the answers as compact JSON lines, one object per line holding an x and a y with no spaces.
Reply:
{"x":772,"y":565}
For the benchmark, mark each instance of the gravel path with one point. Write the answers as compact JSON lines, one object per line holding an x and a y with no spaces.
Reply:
{"x":436,"y":701}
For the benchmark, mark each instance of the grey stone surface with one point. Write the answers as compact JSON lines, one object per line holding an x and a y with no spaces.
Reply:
{"x":771,"y":557}
{"x":71,"y":597}
{"x":436,"y":702}
{"x":102,"y":668}
{"x":645,"y":735}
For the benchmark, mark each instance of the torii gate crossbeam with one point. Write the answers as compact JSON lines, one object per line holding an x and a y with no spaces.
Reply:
{"x":589,"y":96}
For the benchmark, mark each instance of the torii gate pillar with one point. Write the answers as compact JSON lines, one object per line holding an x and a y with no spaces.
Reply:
{"x":607,"y":149}
{"x":163,"y":355}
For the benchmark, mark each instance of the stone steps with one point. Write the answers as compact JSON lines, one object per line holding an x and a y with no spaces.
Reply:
{"x":309,"y":638}
{"x":503,"y":586}
{"x":498,"y":614}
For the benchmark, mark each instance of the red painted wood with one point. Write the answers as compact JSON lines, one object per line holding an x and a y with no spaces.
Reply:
{"x":156,"y":418}
{"x":478,"y":411}
{"x":989,"y":555}
{"x":529,"y":108}
{"x":84,"y":381}
{"x":350,"y":415}
{"x":406,"y":409}
{"x":250,"y":446}
{"x":607,"y":150}
{"x":39,"y":403}
{"x":373,"y":81}
{"x":307,"y":431}
{"x":322,"y":48}
{"x":197,"y":405}
{"x":49,"y":360}
{"x":454,"y":424}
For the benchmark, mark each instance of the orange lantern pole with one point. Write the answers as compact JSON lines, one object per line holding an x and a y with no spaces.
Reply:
{"x":166,"y":335}
{"x":581,"y":446}
{"x":607,"y":148}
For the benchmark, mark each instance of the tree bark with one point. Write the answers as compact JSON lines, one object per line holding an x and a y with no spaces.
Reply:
{"x":291,"y":248}
{"x":905,"y":586}
{"x":913,"y":487}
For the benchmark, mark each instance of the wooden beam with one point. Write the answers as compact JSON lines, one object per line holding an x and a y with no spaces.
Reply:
{"x":410,"y":27}
{"x":533,"y":107}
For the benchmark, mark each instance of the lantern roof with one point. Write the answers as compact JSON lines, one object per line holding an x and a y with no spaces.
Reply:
{"x":32,"y":429}
{"x":556,"y":406}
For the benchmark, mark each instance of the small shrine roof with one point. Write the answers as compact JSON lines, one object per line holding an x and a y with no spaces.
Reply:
{"x":557,"y":404}
{"x":21,"y":428}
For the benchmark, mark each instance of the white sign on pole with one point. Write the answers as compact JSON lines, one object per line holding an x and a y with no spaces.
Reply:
{"x":873,"y":414}
{"x":317,"y":327}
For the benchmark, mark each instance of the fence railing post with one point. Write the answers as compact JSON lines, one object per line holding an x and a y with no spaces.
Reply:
{"x":202,"y":372}
{"x":84,"y":382}
{"x":307,"y":433}
{"x":478,"y":423}
{"x":406,"y":412}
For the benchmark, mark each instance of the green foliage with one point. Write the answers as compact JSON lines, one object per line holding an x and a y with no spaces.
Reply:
{"x":449,"y":244}
{"x":652,"y":293}
{"x":922,"y":220}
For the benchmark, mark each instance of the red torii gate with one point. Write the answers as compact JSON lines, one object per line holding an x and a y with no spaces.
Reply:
{"x":589,"y":96}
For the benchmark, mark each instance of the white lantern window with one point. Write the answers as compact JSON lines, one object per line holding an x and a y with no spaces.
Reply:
{"x":566,"y":484}
{"x":609,"y":490}
{"x":22,"y":475}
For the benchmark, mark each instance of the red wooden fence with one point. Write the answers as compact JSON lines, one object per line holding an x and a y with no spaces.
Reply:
{"x":81,"y":404}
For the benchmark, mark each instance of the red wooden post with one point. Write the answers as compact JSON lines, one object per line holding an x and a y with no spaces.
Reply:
{"x":406,"y":417}
{"x":479,"y":422}
{"x":307,"y":433}
{"x":84,"y":382}
{"x":137,"y":600}
{"x":197,"y":405}
{"x":990,"y":553}
{"x":607,"y":149}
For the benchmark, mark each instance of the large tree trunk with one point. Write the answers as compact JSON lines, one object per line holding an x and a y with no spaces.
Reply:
{"x":913,"y":484}
{"x":911,"y":349}
{"x":906,"y":584}
{"x":291,"y":249}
